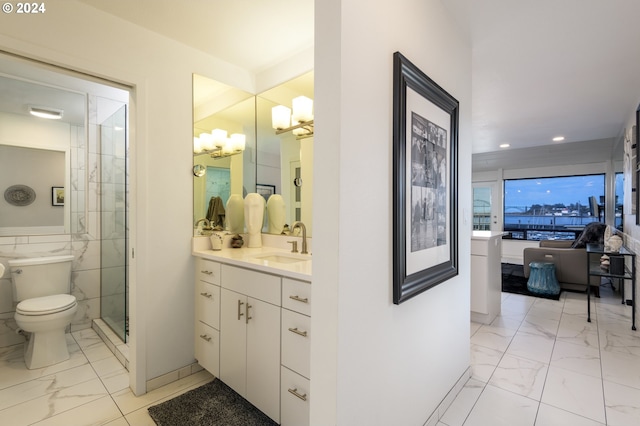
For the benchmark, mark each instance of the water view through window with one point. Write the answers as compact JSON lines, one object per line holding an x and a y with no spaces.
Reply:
{"x":555,"y":207}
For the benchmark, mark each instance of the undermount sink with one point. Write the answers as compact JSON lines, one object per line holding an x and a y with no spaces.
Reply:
{"x":282,"y":258}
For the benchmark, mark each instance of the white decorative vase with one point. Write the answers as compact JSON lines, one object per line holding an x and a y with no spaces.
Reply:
{"x":235,"y":214}
{"x":254,"y":206}
{"x":276,"y":214}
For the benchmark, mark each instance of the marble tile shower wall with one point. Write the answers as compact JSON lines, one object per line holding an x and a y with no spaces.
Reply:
{"x":83,"y":241}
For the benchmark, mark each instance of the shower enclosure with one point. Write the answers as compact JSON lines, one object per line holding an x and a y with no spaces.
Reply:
{"x":113,"y":199}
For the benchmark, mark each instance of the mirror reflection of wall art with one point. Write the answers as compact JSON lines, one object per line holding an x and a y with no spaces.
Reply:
{"x":425,"y":176}
{"x":57,"y":196}
{"x":19,"y":195}
{"x":265,"y":190}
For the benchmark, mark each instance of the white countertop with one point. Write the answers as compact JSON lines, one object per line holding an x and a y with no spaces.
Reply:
{"x":246,"y":258}
{"x":485,"y":235}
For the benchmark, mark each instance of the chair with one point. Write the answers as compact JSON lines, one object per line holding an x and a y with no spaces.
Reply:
{"x":570,"y":258}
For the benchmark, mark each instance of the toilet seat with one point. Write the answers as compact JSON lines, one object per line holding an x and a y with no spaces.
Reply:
{"x":46,"y":305}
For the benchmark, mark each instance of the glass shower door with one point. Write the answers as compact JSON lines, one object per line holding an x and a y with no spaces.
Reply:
{"x":114,"y":304}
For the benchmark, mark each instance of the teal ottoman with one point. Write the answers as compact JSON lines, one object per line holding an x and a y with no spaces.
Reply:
{"x":542,"y":279}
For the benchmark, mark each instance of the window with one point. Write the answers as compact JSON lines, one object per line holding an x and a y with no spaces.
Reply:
{"x":552,"y":208}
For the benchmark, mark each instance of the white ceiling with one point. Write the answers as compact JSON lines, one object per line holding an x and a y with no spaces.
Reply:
{"x":551,"y":67}
{"x":540,"y":69}
{"x":253,"y":34}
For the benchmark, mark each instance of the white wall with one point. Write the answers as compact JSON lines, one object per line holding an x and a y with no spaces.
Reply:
{"x":79,"y":37}
{"x":374,"y":362}
{"x":631,"y":230}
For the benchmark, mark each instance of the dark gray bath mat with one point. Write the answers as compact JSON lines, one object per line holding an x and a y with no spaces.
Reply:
{"x":213,"y":404}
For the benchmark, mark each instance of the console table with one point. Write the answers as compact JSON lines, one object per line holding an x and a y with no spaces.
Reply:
{"x":628,"y":272}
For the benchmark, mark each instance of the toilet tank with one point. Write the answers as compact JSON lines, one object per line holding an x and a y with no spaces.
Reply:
{"x":40,"y":276}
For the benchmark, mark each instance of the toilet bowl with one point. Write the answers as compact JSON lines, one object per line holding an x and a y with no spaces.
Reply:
{"x":45,"y":308}
{"x":46,"y":319}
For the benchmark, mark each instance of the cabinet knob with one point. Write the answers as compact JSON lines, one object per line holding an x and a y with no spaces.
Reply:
{"x":205,"y":337}
{"x":207,"y":272}
{"x":207,"y":295}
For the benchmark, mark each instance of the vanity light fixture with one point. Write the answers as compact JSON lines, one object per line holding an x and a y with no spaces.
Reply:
{"x":504,"y":145}
{"x":299,"y":121}
{"x":218,"y":145}
{"x":558,"y":139}
{"x":45,"y":112}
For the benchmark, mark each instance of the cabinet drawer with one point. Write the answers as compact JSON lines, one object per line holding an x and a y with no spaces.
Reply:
{"x":296,"y":295}
{"x":294,"y":399}
{"x":208,"y":271}
{"x":296,"y":342}
{"x":207,"y":348}
{"x":208,"y":304}
{"x":261,"y":286}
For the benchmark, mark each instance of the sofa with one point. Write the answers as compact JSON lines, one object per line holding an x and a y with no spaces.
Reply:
{"x":570,"y":258}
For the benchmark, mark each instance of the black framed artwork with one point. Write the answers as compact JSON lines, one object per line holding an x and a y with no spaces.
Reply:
{"x":425,"y":182}
{"x":57,"y":196}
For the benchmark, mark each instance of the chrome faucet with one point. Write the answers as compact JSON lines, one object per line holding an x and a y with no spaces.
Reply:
{"x":304,"y":235}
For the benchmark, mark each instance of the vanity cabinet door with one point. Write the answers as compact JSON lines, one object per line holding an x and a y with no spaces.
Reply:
{"x":263,"y":357}
{"x":233,"y":340}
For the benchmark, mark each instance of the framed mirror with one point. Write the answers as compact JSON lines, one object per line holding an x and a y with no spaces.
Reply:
{"x":219,"y":107}
{"x":270,"y":163}
{"x":35,"y":152}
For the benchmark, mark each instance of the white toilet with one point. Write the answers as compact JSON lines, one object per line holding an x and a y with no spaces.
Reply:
{"x":42,"y":286}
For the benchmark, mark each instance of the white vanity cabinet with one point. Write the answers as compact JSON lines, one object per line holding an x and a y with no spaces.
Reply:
{"x":250,"y":336}
{"x":207,"y":315}
{"x":295,"y":357}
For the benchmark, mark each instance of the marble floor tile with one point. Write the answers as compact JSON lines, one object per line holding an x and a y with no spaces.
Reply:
{"x":577,"y":358}
{"x":621,"y":368}
{"x":498,"y":407}
{"x":484,"y":362}
{"x":506,"y":322}
{"x":552,"y":416}
{"x":521,"y":376}
{"x":574,"y":392}
{"x":458,"y":411}
{"x":543,"y":326}
{"x":536,"y":347}
{"x":47,"y":385}
{"x":50,"y":405}
{"x":622,"y":404}
{"x":620,"y":341}
{"x":100,"y":411}
{"x":497,"y":338}
{"x":575,"y":329}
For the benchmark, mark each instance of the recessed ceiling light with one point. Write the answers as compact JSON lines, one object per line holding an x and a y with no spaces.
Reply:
{"x":504,"y":145}
{"x":45,"y":112}
{"x":558,"y":139}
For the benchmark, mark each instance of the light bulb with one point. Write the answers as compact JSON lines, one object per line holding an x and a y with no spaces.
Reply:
{"x":280,"y":117}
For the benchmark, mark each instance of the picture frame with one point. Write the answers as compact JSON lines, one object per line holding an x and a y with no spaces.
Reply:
{"x":425,"y":182}
{"x":57,"y":196}
{"x":265,"y":190}
{"x":636,"y":172}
